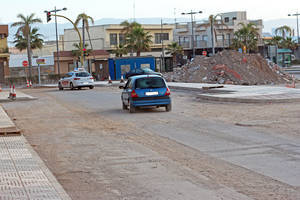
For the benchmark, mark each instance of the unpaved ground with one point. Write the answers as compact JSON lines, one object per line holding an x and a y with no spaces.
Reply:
{"x":99,"y":155}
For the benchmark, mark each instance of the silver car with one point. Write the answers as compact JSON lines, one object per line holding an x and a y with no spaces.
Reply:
{"x":76,"y":79}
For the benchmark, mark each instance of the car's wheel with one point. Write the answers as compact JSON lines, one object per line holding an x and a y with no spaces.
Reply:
{"x":131,"y":108}
{"x":91,"y":87}
{"x":124,"y":107}
{"x":71,"y":86}
{"x":168,"y":107}
{"x":60,"y":86}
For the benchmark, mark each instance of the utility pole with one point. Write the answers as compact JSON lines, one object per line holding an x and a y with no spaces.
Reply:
{"x":162,"y":44}
{"x":192,"y":21}
{"x":296,"y":14}
{"x":56,"y":31}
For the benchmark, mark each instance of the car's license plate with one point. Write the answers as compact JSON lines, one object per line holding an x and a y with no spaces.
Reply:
{"x":85,"y":83}
{"x":151,"y":93}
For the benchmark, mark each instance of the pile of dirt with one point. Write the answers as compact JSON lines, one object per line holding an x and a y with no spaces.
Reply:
{"x":229,"y":67}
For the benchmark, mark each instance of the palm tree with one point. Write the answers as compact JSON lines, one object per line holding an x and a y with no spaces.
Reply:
{"x":128,"y":27}
{"x":138,"y":40}
{"x":276,"y":40}
{"x":85,"y":26}
{"x":77,"y":52}
{"x":120,"y":50}
{"x":283,"y":31}
{"x":213,"y":22}
{"x":289,"y":43}
{"x":247,"y":36}
{"x":35,"y":43}
{"x":174,"y":49}
{"x":24,"y":25}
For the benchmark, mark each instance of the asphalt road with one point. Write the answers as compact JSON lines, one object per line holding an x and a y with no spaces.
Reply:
{"x":153,"y":154}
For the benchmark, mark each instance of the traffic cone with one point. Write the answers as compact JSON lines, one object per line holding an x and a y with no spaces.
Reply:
{"x":122,"y":79}
{"x":30,"y":84}
{"x":293,"y":85}
{"x":109,"y":79}
{"x":14,"y":94}
{"x":27,"y":83}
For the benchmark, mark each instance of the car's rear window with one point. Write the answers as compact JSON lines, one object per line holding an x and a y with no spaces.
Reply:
{"x":150,"y":82}
{"x":82,"y":74}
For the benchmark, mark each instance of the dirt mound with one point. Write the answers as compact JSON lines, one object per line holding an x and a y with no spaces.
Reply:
{"x":229,"y":67}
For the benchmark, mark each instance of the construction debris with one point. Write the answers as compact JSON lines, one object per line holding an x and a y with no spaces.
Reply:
{"x":230,"y":67}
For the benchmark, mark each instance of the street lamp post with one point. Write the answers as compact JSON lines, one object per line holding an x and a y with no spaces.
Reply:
{"x":296,"y":14}
{"x":57,"y":47}
{"x":192,"y":21}
{"x":162,"y":45}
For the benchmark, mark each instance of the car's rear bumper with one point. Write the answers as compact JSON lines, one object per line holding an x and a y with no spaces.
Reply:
{"x":84,"y":84}
{"x":151,"y":102}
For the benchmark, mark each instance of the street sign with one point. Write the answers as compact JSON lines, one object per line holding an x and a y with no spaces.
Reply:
{"x":244,"y":49}
{"x":40,"y":61}
{"x":25,"y":63}
{"x":204,"y":53}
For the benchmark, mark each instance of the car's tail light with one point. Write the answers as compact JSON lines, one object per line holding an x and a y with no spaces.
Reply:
{"x":92,"y":78}
{"x":134,"y":94}
{"x":168,"y":92}
{"x":76,"y":79}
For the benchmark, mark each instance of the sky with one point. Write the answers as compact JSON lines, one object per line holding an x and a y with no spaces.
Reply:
{"x":98,"y":9}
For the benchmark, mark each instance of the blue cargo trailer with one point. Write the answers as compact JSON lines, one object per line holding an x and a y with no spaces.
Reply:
{"x":120,"y":66}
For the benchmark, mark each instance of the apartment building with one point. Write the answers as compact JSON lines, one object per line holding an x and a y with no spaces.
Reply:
{"x":108,"y":37}
{"x":4,"y":55}
{"x":224,"y":29}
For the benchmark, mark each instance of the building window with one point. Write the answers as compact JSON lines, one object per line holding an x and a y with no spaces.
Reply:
{"x":234,"y":18}
{"x":205,"y":38}
{"x":113,"y":39}
{"x":226,"y":19}
{"x":121,"y":39}
{"x":161,"y":36}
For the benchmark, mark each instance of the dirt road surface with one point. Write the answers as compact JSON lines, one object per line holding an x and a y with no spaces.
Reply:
{"x":200,"y":150}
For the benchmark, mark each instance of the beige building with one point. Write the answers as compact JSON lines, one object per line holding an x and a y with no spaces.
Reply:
{"x":224,"y":32}
{"x":47,"y":50}
{"x":108,"y":37}
{"x":4,"y":55}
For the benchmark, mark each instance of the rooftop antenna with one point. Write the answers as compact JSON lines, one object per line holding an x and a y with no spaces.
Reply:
{"x":134,"y":10}
{"x":175,"y":15}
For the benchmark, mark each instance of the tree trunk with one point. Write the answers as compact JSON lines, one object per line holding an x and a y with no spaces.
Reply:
{"x":174,"y":60}
{"x":138,"y":54}
{"x":29,"y":55}
{"x":91,"y":43}
{"x":212,"y":38}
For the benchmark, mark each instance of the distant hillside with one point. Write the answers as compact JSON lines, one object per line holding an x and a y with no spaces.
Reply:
{"x":48,"y":30}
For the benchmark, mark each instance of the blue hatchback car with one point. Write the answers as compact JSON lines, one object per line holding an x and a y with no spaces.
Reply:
{"x":144,"y":91}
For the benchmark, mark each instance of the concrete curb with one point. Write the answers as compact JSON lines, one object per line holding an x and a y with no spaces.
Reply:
{"x":243,"y":100}
{"x":18,"y":99}
{"x":235,"y":100}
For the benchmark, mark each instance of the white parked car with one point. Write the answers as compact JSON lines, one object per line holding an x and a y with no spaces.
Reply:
{"x":76,"y":79}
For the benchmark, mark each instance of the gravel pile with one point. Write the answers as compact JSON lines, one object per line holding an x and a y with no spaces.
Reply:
{"x":229,"y":67}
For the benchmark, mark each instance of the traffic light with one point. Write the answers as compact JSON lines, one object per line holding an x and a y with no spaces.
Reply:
{"x":85,"y":53}
{"x":48,"y":16}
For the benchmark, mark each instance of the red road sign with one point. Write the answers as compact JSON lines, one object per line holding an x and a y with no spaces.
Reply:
{"x":204,"y":53}
{"x":25,"y":63}
{"x":40,"y":61}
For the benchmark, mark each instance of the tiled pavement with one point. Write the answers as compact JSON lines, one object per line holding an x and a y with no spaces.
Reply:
{"x":23,"y":175}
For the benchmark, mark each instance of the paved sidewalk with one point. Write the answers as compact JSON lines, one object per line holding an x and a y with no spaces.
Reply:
{"x":20,"y":96}
{"x":23,"y":175}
